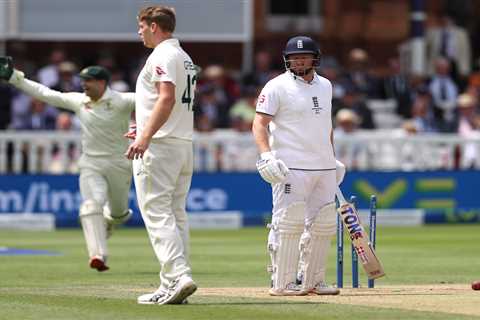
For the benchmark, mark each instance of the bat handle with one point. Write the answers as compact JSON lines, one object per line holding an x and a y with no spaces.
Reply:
{"x":339,"y":194}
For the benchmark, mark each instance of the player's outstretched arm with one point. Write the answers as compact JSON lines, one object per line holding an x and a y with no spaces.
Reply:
{"x":17,"y":78}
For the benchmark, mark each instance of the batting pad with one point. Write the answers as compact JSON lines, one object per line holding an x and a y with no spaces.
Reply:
{"x":94,"y":228}
{"x":314,"y":245}
{"x":283,"y":245}
{"x":124,"y":217}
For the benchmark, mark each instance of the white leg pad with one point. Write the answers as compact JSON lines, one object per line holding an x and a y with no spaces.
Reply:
{"x":116,"y":220}
{"x":112,"y":221}
{"x":283,"y":246}
{"x":314,"y":245}
{"x":93,"y":225}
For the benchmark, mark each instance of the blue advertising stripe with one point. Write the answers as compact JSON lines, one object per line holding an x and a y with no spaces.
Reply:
{"x":245,"y":192}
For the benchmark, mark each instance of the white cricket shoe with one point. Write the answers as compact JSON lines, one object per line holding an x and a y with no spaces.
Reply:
{"x":152,"y":298}
{"x":324,"y":289}
{"x":292,"y":289}
{"x":176,"y":293}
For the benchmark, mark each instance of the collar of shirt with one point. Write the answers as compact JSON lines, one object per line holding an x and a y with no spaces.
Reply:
{"x":169,"y":42}
{"x":300,"y":79}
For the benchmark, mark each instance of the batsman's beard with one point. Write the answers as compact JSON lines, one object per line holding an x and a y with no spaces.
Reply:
{"x":303,"y":72}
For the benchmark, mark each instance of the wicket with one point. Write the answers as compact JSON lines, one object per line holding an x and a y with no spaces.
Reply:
{"x":372,"y":217}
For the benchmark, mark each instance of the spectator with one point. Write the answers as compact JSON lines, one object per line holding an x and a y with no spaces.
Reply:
{"x":444,"y":92}
{"x":468,"y":127}
{"x":330,"y":69}
{"x":353,"y":101}
{"x":346,"y":122}
{"x":117,"y":81}
{"x":64,"y":157}
{"x":474,"y":80}
{"x":262,"y":72}
{"x":68,"y":81}
{"x":210,"y":110}
{"x":423,"y":117}
{"x":64,"y":121}
{"x":451,"y":42}
{"x":359,"y":74}
{"x":243,"y":111}
{"x":396,"y":86}
{"x":39,"y":116}
{"x":225,"y":88}
{"x":49,"y":75}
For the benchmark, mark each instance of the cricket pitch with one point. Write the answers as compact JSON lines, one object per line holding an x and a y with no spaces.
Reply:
{"x":447,"y":298}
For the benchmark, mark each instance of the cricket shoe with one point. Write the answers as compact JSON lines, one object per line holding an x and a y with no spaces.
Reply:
{"x":323,"y":289}
{"x":292,"y":289}
{"x":152,"y":298}
{"x":176,"y":293}
{"x":98,"y":263}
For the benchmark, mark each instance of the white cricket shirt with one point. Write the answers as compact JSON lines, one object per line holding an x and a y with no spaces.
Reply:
{"x":103,"y":122}
{"x":301,"y":124}
{"x":168,"y":62}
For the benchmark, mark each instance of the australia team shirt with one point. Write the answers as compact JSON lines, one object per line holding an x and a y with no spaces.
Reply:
{"x":167,"y":63}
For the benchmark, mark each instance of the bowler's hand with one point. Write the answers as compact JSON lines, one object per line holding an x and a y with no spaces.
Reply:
{"x":137,"y":148}
{"x":132,"y":132}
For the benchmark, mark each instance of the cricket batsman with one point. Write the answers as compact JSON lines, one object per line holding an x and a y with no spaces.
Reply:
{"x":105,"y":174}
{"x":293,"y":132}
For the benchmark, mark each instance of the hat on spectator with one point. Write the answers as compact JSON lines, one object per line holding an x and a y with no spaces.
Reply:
{"x":214,"y":71}
{"x":358,"y":55}
{"x":466,"y":100}
{"x":95,"y":72}
{"x":67,"y":67}
{"x":347,"y":115}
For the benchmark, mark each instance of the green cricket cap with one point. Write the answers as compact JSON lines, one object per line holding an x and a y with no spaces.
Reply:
{"x":95,"y":72}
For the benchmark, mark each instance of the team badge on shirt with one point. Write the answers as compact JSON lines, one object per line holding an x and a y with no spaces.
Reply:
{"x":159,"y":70}
{"x":316,"y":107}
{"x":261,"y":99}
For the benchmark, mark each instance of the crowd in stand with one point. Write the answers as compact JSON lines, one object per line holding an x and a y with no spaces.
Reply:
{"x":446,"y":100}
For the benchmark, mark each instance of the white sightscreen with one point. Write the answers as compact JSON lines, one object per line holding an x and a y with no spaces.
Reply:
{"x":106,"y":20}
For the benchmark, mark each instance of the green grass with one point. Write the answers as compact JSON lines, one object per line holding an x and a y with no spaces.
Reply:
{"x":63,"y":287}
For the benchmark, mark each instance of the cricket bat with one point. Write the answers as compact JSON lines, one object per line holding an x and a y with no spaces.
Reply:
{"x":359,"y":237}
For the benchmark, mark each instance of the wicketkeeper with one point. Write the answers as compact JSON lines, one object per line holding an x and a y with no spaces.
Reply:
{"x":293,"y":132}
{"x":105,"y":174}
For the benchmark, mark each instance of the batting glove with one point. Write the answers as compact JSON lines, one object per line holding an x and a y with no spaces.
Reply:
{"x":6,"y":67}
{"x":272,"y":170}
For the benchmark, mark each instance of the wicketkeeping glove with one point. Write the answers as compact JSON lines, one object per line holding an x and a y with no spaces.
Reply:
{"x":6,"y":67}
{"x":272,"y":170}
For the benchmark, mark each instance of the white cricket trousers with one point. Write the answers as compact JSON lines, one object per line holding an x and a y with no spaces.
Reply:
{"x":106,"y":181}
{"x":313,"y":188}
{"x":162,"y":180}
